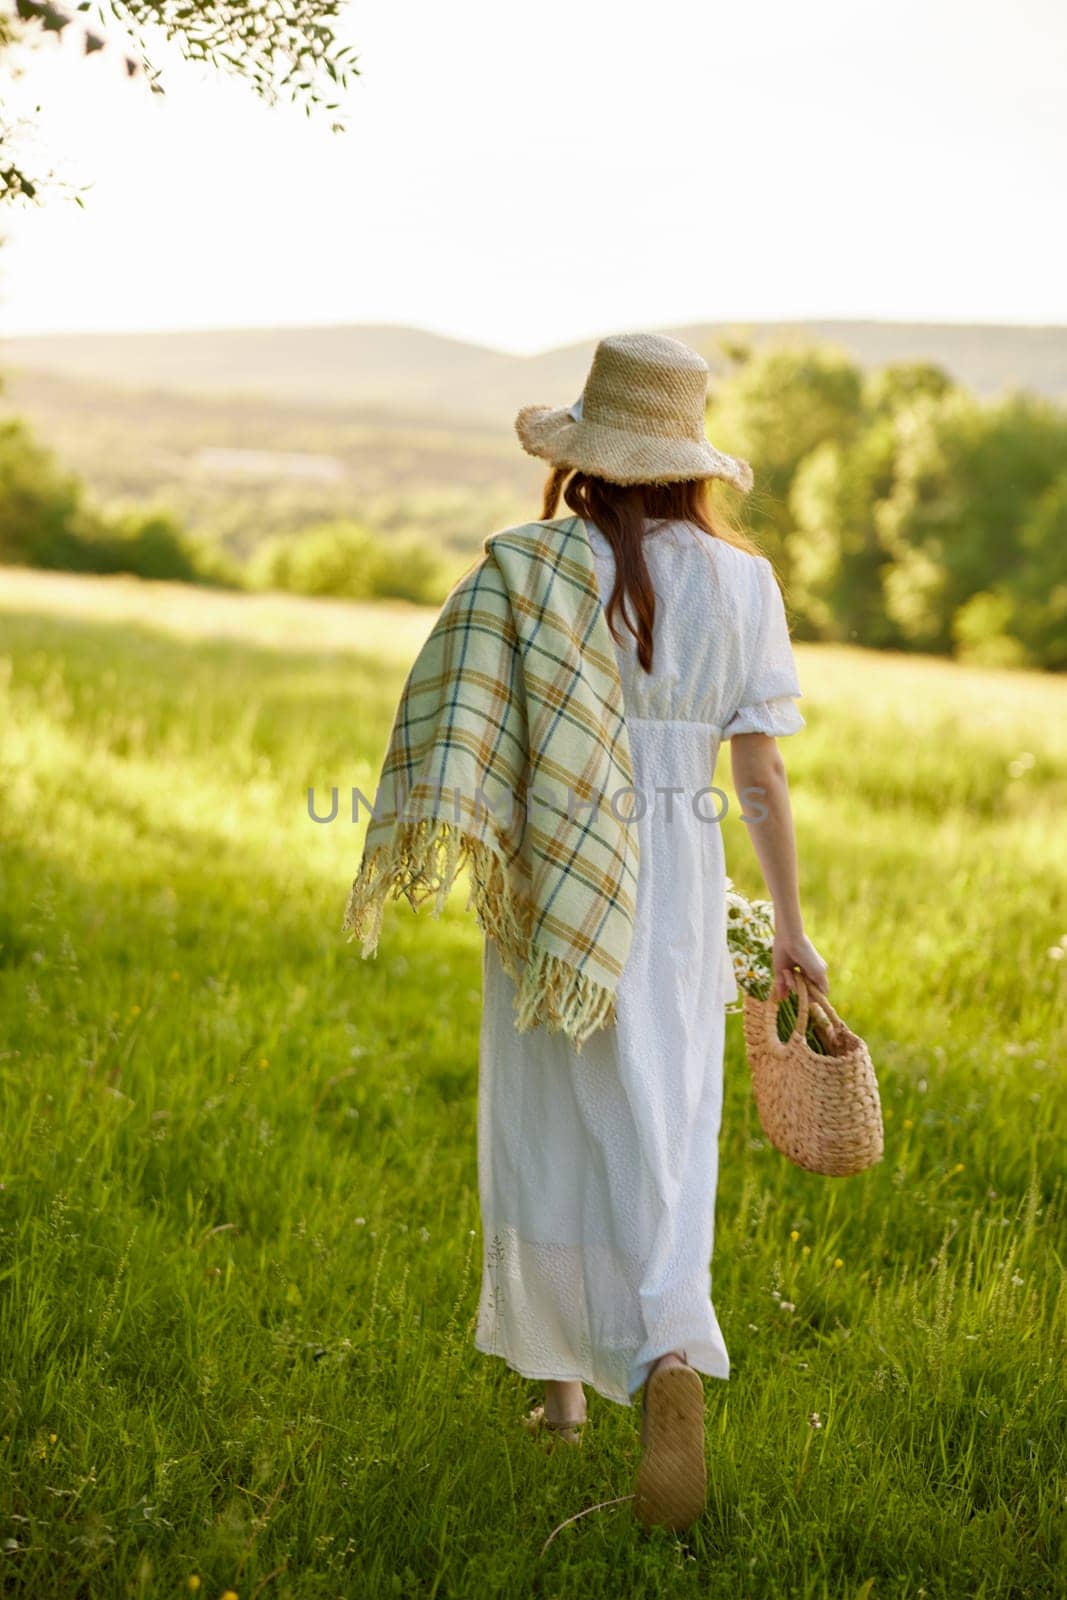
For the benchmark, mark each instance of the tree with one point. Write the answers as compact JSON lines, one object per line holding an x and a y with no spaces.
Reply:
{"x":1038,"y":586}
{"x":285,"y":49}
{"x":773,"y":409}
{"x":839,"y":557}
{"x":43,"y":519}
{"x":961,"y":512}
{"x":892,"y":387}
{"x":345,"y":560}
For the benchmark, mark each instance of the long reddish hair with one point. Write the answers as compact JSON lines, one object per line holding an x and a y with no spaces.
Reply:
{"x":619,"y":511}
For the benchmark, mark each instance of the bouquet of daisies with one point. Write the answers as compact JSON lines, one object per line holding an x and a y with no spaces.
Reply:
{"x":750,"y":940}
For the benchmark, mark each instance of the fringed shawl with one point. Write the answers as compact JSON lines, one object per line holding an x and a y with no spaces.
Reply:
{"x":509,"y":754}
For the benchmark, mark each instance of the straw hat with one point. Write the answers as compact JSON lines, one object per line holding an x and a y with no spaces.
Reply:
{"x":640,"y":417}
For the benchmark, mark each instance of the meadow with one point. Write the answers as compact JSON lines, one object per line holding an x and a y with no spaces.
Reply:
{"x":239,"y":1234}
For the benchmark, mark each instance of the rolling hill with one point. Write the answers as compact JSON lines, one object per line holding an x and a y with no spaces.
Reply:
{"x":413,"y":371}
{"x":243,"y":433}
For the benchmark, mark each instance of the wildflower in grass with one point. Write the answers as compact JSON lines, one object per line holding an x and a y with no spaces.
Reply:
{"x":1057,"y":952}
{"x":263,"y":1063}
{"x":838,"y":1262}
{"x":958,"y":1167}
{"x":1017,"y":1279}
{"x":753,"y":1327}
{"x":805,"y":1250}
{"x":52,"y":1438}
{"x":192,"y":1582}
{"x":787,"y":1305}
{"x":907,"y":1123}
{"x":175,"y":977}
{"x":794,"y":1235}
{"x":135,"y":1011}
{"x":230,"y":1594}
{"x":814,"y":1420}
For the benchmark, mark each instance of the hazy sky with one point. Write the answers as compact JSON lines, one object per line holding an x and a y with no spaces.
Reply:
{"x":528,"y":175}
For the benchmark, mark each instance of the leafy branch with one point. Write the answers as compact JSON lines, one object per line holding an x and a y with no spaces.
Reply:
{"x":286,"y":50}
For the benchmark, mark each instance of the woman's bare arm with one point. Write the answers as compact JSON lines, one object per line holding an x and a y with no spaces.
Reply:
{"x":762,"y":787}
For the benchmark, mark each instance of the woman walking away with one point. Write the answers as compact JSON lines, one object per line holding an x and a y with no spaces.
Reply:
{"x":589,"y":667}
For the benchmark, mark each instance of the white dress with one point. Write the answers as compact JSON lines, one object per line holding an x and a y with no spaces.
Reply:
{"x":597,"y":1172}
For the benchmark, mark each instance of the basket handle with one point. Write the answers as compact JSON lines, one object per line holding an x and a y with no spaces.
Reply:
{"x":801,"y":1025}
{"x":809,"y":995}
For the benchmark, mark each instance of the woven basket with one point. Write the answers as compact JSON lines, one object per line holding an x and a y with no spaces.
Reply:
{"x":822,"y":1111}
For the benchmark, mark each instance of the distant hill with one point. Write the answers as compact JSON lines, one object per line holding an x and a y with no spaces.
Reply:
{"x":247,"y":433}
{"x":409,"y":371}
{"x":241,"y":468}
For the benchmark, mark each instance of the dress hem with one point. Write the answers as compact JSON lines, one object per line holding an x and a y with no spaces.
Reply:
{"x":577,"y":1377}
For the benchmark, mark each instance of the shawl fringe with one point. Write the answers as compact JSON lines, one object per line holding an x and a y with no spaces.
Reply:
{"x":422,"y":862}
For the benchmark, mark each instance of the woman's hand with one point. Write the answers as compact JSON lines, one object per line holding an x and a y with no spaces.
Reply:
{"x":796,"y":950}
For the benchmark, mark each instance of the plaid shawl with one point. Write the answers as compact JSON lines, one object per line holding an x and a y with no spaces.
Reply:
{"x":509,"y":754}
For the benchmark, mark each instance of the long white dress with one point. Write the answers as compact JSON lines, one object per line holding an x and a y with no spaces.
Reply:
{"x":597,"y":1172}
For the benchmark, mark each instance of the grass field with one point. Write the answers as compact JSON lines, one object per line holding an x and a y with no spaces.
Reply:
{"x":240,"y":1233}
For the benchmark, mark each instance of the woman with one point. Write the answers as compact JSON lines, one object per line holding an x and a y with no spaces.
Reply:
{"x":563,"y":749}
{"x":598,"y":1169}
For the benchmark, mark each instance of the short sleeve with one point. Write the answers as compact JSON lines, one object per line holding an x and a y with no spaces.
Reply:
{"x":771,"y":685}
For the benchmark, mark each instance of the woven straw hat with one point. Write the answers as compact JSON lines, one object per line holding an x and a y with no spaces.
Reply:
{"x":640,"y":418}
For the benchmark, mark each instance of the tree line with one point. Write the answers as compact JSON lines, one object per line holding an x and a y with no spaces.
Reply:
{"x":899,"y":510}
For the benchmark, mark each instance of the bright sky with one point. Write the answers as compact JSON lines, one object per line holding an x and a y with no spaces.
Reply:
{"x":524,"y":176}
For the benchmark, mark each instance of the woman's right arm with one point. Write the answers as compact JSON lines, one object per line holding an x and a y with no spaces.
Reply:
{"x":757,"y":765}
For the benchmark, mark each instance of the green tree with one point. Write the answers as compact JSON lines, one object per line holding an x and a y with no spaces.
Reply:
{"x":774,"y":409}
{"x":967,"y":479}
{"x":336,"y":558}
{"x":836,"y":557}
{"x":839,"y":559}
{"x":892,"y":387}
{"x":152,"y":544}
{"x":345,"y":560}
{"x":1038,"y":586}
{"x":43,"y":520}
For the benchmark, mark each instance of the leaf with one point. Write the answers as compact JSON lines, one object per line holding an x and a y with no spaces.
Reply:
{"x":53,"y":21}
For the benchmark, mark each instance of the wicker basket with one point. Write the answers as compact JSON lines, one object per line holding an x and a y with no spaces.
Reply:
{"x":822,"y":1111}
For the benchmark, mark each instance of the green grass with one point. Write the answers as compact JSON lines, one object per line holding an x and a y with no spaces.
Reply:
{"x":240,"y":1245}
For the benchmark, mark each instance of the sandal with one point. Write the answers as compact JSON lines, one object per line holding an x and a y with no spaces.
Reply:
{"x":672,"y":1477}
{"x":536,"y":1423}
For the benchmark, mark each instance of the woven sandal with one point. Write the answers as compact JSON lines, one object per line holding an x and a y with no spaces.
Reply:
{"x":672,"y":1477}
{"x":551,"y":1433}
